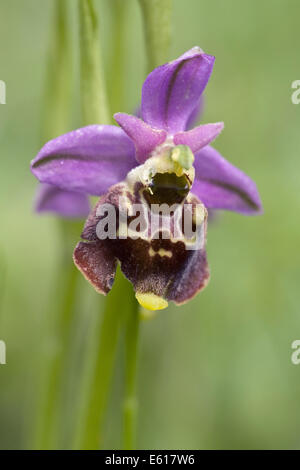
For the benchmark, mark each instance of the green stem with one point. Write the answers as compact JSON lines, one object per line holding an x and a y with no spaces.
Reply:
{"x":93,"y":94}
{"x":130,"y":402}
{"x":58,"y":84}
{"x":50,"y":409}
{"x":54,"y":122}
{"x":157,"y":22}
{"x":94,"y":390}
{"x":100,"y":359}
{"x":116,"y":74}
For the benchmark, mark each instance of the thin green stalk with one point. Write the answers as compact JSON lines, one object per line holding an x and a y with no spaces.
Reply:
{"x":116,"y":84}
{"x":157,"y":21}
{"x":55,"y":122}
{"x":50,"y":409}
{"x":58,"y":82}
{"x":101,"y":359}
{"x":157,"y":28}
{"x":93,"y":93}
{"x":131,"y":362}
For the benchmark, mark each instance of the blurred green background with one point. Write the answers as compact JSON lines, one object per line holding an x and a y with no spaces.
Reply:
{"x":217,"y":372}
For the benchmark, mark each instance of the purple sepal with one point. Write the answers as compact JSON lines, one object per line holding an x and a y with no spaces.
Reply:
{"x":67,"y":204}
{"x":88,"y":160}
{"x":195,"y":114}
{"x":172,"y":91}
{"x":192,"y":120}
{"x":220,"y":185}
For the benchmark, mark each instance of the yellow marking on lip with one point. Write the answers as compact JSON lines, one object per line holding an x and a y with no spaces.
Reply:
{"x":151,"y":301}
{"x":161,"y":252}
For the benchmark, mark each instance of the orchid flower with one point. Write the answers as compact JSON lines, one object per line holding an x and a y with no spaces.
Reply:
{"x":75,"y":205}
{"x":149,"y":159}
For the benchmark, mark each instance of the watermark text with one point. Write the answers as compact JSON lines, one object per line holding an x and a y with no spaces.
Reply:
{"x":296,"y":94}
{"x":2,"y":352}
{"x":2,"y":92}
{"x":295,"y":357}
{"x":175,"y":222}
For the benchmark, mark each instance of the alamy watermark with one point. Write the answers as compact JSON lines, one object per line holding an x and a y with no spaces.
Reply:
{"x":296,"y":94}
{"x":2,"y":92}
{"x":295,"y":357}
{"x":2,"y":352}
{"x":175,"y":222}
